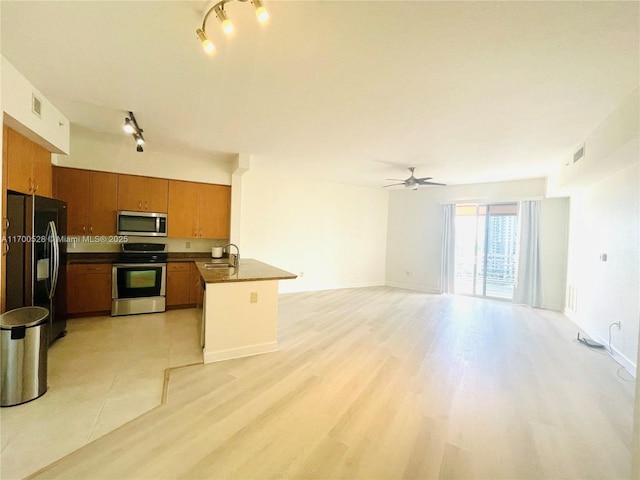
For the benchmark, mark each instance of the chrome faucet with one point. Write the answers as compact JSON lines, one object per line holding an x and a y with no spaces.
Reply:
{"x":236,"y":257}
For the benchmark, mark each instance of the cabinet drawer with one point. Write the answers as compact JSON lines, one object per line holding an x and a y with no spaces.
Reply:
{"x":178,"y":266}
{"x":92,"y":267}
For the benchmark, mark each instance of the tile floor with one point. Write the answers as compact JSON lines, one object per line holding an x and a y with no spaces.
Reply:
{"x":104,"y":373}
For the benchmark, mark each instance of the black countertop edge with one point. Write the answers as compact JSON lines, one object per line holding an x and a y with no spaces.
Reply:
{"x":114,"y":257}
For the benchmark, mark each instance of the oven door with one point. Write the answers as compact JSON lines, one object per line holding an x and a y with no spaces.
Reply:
{"x":138,"y":288}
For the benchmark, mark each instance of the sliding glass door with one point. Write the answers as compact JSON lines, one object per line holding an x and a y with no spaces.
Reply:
{"x":485,"y":253}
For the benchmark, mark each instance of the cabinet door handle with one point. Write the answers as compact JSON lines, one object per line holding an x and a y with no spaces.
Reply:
{"x":84,"y":229}
{"x":146,"y":206}
{"x":35,"y":186}
{"x":6,"y":224}
{"x":6,"y":249}
{"x":90,"y":228}
{"x":140,"y":204}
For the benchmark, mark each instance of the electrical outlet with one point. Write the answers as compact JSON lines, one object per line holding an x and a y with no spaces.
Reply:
{"x":188,"y":244}
{"x":254,"y":297}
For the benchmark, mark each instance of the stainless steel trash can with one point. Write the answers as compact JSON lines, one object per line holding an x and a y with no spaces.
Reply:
{"x":24,"y":346}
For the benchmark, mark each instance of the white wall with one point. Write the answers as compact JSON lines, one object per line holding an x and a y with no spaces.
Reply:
{"x":117,"y":153}
{"x":554,"y":237}
{"x":334,"y":233}
{"x":604,"y":219}
{"x":414,"y":241}
{"x":50,"y":129}
{"x":612,"y":146}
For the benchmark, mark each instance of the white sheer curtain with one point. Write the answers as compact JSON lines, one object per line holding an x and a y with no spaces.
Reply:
{"x":447,"y":269}
{"x":528,"y":288}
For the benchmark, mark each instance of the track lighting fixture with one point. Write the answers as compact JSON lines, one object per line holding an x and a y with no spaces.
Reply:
{"x":261,"y":14}
{"x":131,"y":126}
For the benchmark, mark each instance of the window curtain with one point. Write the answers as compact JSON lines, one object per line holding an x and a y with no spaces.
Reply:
{"x":528,"y":288}
{"x":447,"y":269}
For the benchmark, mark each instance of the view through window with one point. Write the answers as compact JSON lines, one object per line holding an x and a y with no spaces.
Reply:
{"x":485,"y":251}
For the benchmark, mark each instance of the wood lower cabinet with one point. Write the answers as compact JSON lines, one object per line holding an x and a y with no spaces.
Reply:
{"x":178,"y":285}
{"x":29,"y":168}
{"x":142,"y":194}
{"x":91,"y":200}
{"x":88,"y":288}
{"x":199,"y":210}
{"x":184,"y":285}
{"x":195,"y":280}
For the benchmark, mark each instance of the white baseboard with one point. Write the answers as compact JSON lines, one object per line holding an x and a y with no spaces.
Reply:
{"x":240,"y":352}
{"x":417,"y":288}
{"x":290,"y":288}
{"x":628,"y":365}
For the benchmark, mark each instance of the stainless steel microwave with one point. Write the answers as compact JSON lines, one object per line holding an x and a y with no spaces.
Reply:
{"x":142,"y":224}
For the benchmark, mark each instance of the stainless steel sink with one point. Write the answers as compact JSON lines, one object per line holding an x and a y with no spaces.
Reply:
{"x":217,"y":265}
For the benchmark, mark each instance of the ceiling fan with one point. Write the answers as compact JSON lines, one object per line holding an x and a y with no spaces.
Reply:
{"x":412,"y":182}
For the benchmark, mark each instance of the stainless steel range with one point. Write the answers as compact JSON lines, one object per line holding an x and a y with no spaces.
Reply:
{"x":139,"y":279}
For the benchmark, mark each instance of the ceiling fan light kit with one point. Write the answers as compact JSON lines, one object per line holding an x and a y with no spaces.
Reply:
{"x":227,"y":27}
{"x":412,"y":182}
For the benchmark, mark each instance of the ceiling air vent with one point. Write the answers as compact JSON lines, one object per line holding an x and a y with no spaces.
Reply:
{"x":579,"y":154}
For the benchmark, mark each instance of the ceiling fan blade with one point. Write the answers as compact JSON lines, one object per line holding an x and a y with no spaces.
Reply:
{"x":393,"y":185}
{"x":433,"y":183}
{"x":396,"y":180}
{"x":423,"y":178}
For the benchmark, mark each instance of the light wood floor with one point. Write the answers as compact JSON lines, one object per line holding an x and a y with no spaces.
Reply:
{"x":385,"y":383}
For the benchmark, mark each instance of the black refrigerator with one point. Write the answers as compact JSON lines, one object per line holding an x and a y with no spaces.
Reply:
{"x":37,"y":256}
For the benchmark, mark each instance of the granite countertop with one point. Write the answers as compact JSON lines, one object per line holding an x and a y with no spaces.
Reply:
{"x":114,"y":257}
{"x":250,"y":270}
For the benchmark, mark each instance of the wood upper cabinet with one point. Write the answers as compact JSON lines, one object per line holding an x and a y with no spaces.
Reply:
{"x":88,"y":287}
{"x":142,"y":194}
{"x":91,"y":200}
{"x":199,"y":210}
{"x":214,"y":207}
{"x":183,"y":209}
{"x":29,"y":168}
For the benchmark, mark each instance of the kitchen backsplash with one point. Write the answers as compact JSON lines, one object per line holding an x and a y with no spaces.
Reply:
{"x":99,"y":244}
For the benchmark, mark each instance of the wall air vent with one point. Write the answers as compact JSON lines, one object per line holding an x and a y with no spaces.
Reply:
{"x":36,"y":105}
{"x":579,"y":154}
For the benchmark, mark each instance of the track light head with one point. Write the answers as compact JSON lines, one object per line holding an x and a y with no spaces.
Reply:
{"x":128,"y":126}
{"x":139,"y":148}
{"x":206,"y":43}
{"x":261,"y":11}
{"x":227,"y":26}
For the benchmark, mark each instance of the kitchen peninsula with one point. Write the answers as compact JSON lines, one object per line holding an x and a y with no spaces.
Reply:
{"x":240,"y":312}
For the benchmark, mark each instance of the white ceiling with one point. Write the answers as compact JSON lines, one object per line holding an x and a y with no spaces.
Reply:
{"x":347,"y":91}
